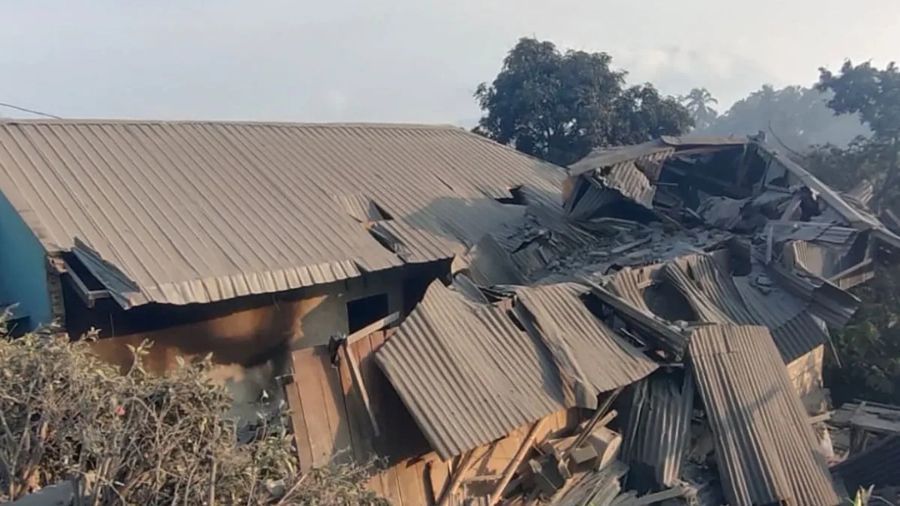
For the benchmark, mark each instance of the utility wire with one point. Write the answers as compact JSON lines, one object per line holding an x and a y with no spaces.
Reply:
{"x":23,"y":109}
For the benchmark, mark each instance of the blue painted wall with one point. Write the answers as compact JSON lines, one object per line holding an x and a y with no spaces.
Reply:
{"x":23,"y":272}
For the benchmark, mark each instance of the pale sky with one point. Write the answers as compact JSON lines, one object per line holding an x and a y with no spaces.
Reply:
{"x":400,"y":60}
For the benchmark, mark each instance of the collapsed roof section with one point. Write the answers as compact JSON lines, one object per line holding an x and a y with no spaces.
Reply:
{"x":719,"y":259}
{"x":185,"y":212}
{"x":469,"y":375}
{"x":786,"y":246}
{"x":765,"y":447}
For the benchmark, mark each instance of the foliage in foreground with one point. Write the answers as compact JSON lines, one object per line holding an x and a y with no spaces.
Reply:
{"x":135,"y":438}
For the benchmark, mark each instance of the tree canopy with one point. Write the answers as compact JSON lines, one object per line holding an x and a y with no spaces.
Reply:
{"x":558,"y":106}
{"x":798,"y":117}
{"x":873,"y":94}
{"x":869,"y":347}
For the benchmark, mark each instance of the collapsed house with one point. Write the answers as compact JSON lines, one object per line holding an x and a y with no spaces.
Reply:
{"x":648,"y":325}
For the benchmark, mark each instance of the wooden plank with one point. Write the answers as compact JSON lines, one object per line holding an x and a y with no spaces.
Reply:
{"x":513,"y":465}
{"x":411,"y":482}
{"x":298,"y":421}
{"x":333,"y":407}
{"x":458,"y":475}
{"x":360,"y":434}
{"x":360,"y":386}
{"x":439,"y":474}
{"x":374,"y":484}
{"x":373,"y":378}
{"x":391,"y":487}
{"x":373,"y":327}
{"x":307,"y":377}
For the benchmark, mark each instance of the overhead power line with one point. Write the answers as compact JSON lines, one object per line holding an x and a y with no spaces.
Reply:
{"x":32,"y":111}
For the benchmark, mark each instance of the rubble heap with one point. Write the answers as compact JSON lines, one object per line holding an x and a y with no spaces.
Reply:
{"x":679,"y":300}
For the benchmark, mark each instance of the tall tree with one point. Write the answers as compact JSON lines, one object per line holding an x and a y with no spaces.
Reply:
{"x":869,"y":347}
{"x":873,"y":94}
{"x":557,"y":106}
{"x":697,"y":102}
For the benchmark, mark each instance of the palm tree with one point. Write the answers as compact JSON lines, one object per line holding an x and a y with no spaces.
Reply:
{"x":697,"y":103}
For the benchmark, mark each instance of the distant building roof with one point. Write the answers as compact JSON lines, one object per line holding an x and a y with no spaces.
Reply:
{"x":182,"y":212}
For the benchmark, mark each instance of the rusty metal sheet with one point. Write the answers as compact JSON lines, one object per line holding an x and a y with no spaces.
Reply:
{"x":765,"y":447}
{"x":185,"y":212}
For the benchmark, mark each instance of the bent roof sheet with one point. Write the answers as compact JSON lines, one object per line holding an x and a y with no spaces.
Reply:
{"x":182,"y":212}
{"x":765,"y":447}
{"x":466,"y":373}
{"x":586,"y":350}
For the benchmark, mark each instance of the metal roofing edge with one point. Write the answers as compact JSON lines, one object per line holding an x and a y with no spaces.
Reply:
{"x":467,"y":374}
{"x":765,"y":448}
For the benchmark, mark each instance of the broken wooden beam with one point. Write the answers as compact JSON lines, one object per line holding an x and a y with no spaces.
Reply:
{"x":373,"y":327}
{"x":510,"y":470}
{"x":464,"y":465}
{"x":353,"y":364}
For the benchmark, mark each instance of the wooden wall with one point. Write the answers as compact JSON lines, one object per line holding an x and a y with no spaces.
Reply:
{"x":331,"y":424}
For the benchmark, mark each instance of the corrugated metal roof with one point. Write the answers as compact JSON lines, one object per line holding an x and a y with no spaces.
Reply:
{"x":795,"y":331}
{"x":182,"y":212}
{"x":633,"y":184}
{"x":857,"y":218}
{"x":710,"y":292}
{"x":656,"y":439}
{"x":825,"y":300}
{"x":467,"y":374}
{"x":590,"y":356}
{"x":765,"y":448}
{"x":717,"y":297}
{"x":649,"y":325}
{"x":630,"y":283}
{"x":704,"y":140}
{"x":824,"y":233}
{"x":652,"y":151}
{"x":878,"y":465}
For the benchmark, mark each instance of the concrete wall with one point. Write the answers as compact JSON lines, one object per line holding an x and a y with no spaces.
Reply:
{"x":23,"y":268}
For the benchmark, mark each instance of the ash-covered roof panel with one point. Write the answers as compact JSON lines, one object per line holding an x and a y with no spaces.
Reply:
{"x":467,"y":374}
{"x":765,"y":448}
{"x":589,"y":354}
{"x":182,"y":212}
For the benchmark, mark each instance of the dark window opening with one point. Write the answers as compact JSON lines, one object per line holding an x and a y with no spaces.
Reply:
{"x":78,"y":269}
{"x":362,"y":312}
{"x":516,"y":198}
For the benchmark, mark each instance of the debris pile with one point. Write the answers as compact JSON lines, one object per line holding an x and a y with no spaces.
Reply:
{"x":679,"y":302}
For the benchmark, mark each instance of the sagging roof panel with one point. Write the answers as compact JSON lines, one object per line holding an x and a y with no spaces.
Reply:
{"x":182,"y":212}
{"x":590,"y":356}
{"x":765,"y":448}
{"x":467,"y":374}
